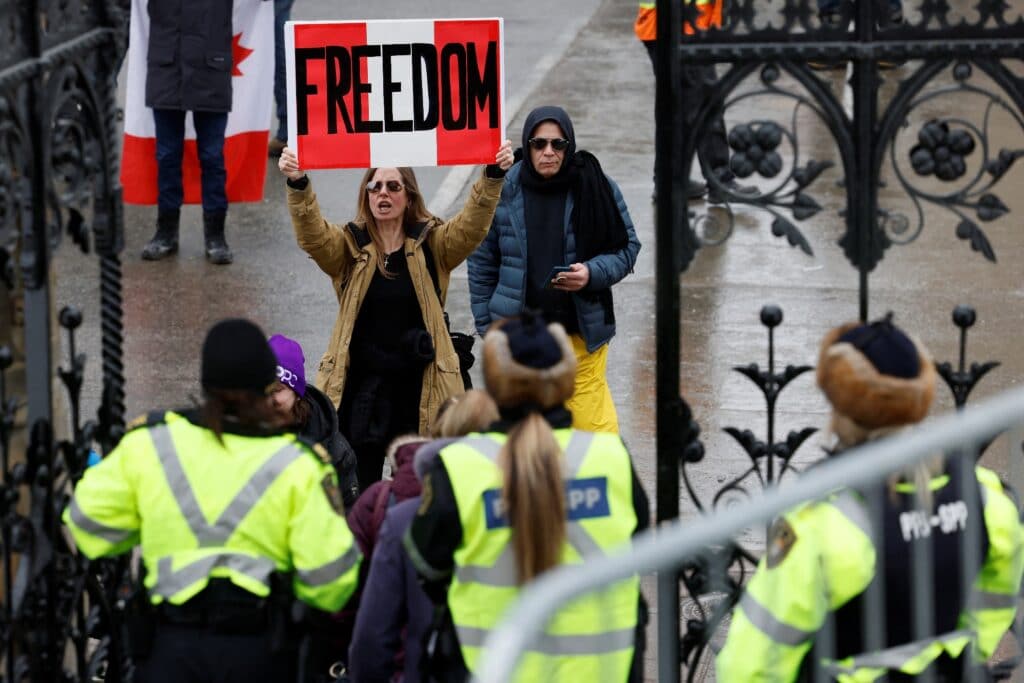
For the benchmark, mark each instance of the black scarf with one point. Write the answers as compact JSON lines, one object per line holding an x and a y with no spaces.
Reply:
{"x":596,"y":221}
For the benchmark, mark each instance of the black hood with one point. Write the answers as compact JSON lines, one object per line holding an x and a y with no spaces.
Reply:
{"x":539,"y":116}
{"x":323,"y":419}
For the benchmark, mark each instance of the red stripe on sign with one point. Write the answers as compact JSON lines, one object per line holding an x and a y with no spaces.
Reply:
{"x":245,"y":159}
{"x":320,"y":148}
{"x":470,"y":125}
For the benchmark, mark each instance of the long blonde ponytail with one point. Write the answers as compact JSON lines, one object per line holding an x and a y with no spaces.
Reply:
{"x":534,"y":496}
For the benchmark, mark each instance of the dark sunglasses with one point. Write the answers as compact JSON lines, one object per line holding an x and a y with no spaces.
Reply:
{"x":392,"y":185}
{"x":557,"y":144}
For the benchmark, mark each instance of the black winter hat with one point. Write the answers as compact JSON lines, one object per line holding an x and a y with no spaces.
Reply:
{"x":531,"y":343}
{"x":236,"y":355}
{"x":886,"y":346}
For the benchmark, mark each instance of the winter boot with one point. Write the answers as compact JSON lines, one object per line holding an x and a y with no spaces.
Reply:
{"x":217,"y":250}
{"x":165,"y":241}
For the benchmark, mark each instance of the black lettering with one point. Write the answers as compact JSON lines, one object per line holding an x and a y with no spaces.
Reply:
{"x":448,"y":83}
{"x":482,"y":87}
{"x":303,"y":88}
{"x":424,"y":60}
{"x":391,"y":87}
{"x":360,"y":53}
{"x":339,"y":82}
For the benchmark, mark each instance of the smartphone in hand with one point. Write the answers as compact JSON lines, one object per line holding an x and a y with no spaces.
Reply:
{"x":555,"y":272}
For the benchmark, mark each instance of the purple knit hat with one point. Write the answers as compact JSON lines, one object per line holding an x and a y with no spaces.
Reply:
{"x":291,"y":364}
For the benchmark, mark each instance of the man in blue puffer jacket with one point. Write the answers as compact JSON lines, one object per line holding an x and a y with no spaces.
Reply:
{"x":561,"y":237}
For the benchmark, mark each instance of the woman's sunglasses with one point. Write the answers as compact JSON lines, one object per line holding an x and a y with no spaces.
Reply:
{"x":557,"y":144}
{"x":392,"y":185}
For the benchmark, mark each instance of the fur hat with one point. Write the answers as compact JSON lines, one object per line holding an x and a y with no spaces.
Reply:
{"x":875,"y":376}
{"x":528,"y":363}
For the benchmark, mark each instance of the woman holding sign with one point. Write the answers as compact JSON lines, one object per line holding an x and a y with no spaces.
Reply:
{"x":390,"y":363}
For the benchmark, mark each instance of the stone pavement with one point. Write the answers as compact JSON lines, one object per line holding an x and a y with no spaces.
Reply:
{"x":604,"y":80}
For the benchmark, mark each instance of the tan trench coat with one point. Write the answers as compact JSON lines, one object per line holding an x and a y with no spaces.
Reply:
{"x":351,"y":268}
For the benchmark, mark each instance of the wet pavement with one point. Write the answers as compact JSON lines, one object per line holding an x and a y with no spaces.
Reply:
{"x":587,"y":60}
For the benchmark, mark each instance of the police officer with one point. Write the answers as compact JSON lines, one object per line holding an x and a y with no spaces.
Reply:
{"x":500,"y":508}
{"x":223,"y":504}
{"x":821,"y":557}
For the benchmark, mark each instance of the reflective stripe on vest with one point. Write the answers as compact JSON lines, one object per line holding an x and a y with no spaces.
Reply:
{"x":503,"y":572}
{"x":591,"y":638}
{"x":98,"y":529}
{"x":330,"y":571}
{"x":171,"y":581}
{"x":988,"y":600}
{"x":560,"y":645}
{"x":217,"y":534}
{"x":779,"y":631}
{"x":895,"y":658}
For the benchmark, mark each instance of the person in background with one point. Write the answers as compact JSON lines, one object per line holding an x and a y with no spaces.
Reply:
{"x":233,"y":515}
{"x":390,"y":363}
{"x":558,"y":209}
{"x":837,"y":15}
{"x":503,"y":509}
{"x":395,"y":613}
{"x":823,"y":555}
{"x":190,"y":75}
{"x":695,"y":82}
{"x":282,"y":13}
{"x":309,"y":412}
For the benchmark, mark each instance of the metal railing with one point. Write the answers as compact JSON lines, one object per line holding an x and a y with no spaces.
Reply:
{"x":666,"y":548}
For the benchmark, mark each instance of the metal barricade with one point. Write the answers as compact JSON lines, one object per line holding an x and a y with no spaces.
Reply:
{"x":958,"y":436}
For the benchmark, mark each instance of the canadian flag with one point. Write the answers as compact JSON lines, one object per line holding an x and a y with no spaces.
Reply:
{"x":248,"y":128}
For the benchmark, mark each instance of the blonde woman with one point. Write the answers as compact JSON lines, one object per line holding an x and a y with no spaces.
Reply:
{"x":390,"y":363}
{"x":530,"y":495}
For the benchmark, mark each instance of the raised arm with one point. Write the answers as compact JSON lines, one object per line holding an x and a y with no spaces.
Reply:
{"x":323,"y":241}
{"x":456,"y":238}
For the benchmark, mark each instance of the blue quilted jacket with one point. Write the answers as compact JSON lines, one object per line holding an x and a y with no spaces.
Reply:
{"x":497,"y":269}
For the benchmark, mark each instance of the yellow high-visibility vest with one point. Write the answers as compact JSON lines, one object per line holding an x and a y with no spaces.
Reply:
{"x":591,"y":638}
{"x":827,"y":559}
{"x":200,"y":509}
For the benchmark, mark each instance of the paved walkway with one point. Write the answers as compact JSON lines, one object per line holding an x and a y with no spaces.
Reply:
{"x":604,"y":80}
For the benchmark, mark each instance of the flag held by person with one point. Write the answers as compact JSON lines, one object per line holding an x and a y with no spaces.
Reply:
{"x":248,"y":126}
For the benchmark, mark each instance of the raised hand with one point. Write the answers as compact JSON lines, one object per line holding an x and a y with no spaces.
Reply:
{"x":288,"y":164}
{"x":504,"y":158}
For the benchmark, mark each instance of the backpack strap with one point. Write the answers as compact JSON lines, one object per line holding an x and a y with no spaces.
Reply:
{"x":431,"y":267}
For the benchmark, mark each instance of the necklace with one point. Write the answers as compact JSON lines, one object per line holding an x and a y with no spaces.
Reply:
{"x":386,"y":257}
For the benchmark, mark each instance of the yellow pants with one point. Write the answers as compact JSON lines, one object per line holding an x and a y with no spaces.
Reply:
{"x":591,"y":403}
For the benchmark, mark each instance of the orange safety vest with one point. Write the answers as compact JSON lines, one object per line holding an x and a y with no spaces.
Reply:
{"x":709,"y":15}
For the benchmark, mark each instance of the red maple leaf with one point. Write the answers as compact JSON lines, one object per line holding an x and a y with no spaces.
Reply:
{"x":238,"y":54}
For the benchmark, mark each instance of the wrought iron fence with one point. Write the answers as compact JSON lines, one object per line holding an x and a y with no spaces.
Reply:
{"x":59,"y":614}
{"x":898,"y":158}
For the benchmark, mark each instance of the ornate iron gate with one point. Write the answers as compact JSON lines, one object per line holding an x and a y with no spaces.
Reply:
{"x":949,"y":164}
{"x":59,"y":614}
